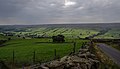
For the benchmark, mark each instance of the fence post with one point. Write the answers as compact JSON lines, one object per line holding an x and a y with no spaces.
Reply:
{"x":55,"y":54}
{"x":91,"y":48}
{"x":74,"y":46}
{"x":33,"y":56}
{"x":23,"y":67}
{"x":13,"y":59}
{"x":83,"y":45}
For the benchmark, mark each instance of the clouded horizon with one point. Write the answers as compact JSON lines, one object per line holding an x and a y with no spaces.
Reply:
{"x":58,"y":11}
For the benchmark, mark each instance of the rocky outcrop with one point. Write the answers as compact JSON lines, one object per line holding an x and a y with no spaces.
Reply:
{"x":81,"y":60}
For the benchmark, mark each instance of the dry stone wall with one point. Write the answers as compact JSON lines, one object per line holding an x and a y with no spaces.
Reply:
{"x":81,"y":60}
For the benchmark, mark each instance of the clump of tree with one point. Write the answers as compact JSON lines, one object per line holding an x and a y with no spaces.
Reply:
{"x":8,"y":33}
{"x":58,"y":38}
{"x":2,"y":41}
{"x":9,"y":39}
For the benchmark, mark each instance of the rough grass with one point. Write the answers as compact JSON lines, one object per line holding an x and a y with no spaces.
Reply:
{"x":106,"y":62}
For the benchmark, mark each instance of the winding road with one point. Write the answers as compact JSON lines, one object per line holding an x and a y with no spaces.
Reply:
{"x":111,"y":52}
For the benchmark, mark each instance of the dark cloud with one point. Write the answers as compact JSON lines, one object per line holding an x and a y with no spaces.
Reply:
{"x":55,"y":11}
{"x":10,"y":7}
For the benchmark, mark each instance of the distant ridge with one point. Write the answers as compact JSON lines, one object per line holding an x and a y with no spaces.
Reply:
{"x":90,"y":25}
{"x":61,"y":24}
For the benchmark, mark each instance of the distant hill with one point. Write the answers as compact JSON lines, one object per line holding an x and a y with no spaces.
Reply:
{"x":97,"y":25}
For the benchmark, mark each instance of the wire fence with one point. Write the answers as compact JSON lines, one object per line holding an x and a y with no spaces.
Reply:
{"x":14,"y":59}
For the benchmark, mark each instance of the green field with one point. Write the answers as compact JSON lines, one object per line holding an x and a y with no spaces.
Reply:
{"x":24,"y":49}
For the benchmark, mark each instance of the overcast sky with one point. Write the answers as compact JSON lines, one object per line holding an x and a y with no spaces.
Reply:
{"x":58,"y":11}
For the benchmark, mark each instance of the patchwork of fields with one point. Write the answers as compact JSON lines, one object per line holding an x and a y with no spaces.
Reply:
{"x":71,"y":32}
{"x":111,"y":34}
{"x":67,"y":32}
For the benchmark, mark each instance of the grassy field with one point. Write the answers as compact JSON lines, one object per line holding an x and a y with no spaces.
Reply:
{"x":24,"y":49}
{"x":111,"y":34}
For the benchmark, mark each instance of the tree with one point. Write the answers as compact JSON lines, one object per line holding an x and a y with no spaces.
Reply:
{"x":58,"y":38}
{"x":9,"y":38}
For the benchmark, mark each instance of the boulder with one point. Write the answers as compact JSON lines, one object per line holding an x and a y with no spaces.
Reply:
{"x":64,"y":59}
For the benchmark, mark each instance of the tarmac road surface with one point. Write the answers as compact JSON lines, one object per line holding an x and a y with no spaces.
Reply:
{"x":111,"y":52}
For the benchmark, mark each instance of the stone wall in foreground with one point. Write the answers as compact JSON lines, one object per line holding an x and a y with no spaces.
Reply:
{"x":81,"y":60}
